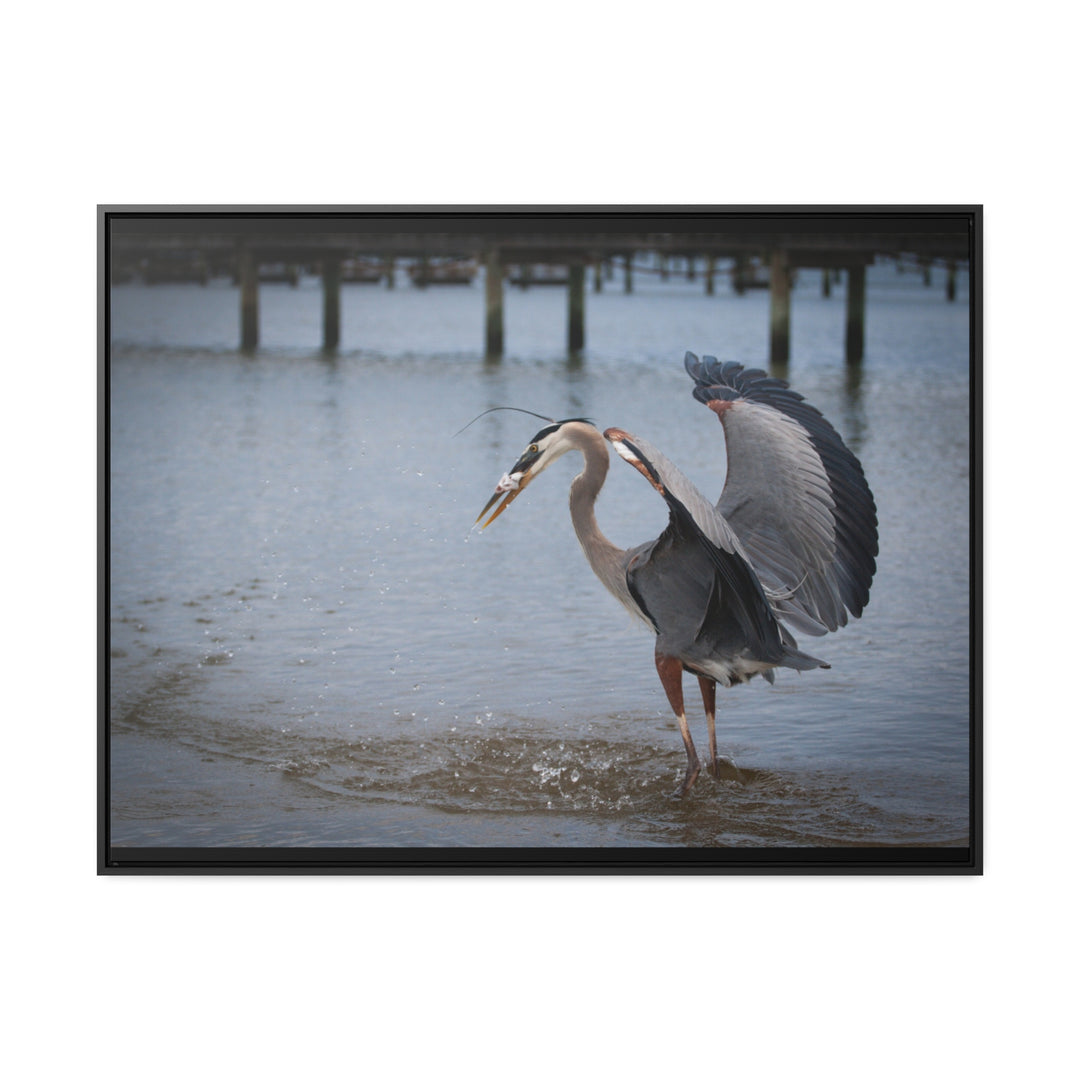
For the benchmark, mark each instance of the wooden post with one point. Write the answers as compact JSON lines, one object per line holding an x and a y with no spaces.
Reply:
{"x":576,"y":306}
{"x":779,"y":309}
{"x":249,"y":299}
{"x":663,"y":267}
{"x":598,"y":278}
{"x":331,"y":282}
{"x":388,"y":264}
{"x":628,"y":285}
{"x":854,"y":343}
{"x":738,"y":275}
{"x":950,"y":281}
{"x":493,"y":294}
{"x":710,"y":274}
{"x":826,"y":284}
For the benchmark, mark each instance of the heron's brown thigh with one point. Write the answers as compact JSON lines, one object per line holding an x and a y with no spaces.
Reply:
{"x":670,"y":671}
{"x":669,"y":668}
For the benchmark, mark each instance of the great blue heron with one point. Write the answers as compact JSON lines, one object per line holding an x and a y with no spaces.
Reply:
{"x":792,"y":541}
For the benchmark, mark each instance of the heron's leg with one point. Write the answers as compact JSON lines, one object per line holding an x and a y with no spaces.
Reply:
{"x":713,"y":765}
{"x":708,"y":697}
{"x":669,"y":668}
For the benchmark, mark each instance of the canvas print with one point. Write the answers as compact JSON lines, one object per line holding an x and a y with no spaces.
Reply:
{"x":733,"y":624}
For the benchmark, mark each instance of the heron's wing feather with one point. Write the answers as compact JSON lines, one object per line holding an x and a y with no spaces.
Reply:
{"x":795,"y":496}
{"x":694,"y":581}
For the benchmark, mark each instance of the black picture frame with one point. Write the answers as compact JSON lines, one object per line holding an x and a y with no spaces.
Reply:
{"x":809,"y":235}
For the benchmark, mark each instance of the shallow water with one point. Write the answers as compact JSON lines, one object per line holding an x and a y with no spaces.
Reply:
{"x":310,"y":647}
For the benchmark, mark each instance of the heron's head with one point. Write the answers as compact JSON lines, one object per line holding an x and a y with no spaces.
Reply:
{"x":547,"y":445}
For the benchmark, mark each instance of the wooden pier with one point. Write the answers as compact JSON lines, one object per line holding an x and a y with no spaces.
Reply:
{"x":367,"y":245}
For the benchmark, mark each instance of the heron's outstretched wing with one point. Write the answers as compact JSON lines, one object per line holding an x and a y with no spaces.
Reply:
{"x":795,"y":496}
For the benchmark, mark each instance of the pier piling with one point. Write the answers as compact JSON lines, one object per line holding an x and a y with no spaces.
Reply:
{"x":248,"y":272}
{"x":628,"y":284}
{"x":493,"y":294}
{"x":331,"y":280}
{"x":855,"y":336}
{"x":576,"y":307}
{"x":738,"y":275}
{"x":779,"y":309}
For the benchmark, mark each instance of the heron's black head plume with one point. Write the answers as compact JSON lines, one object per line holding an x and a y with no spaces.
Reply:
{"x":499,"y":408}
{"x":554,"y":424}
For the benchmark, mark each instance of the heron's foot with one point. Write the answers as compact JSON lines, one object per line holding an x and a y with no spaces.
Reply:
{"x":722,"y":767}
{"x":692,"y":771}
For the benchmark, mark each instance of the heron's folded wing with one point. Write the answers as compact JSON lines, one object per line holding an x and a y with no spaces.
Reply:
{"x":696,"y":568}
{"x":795,"y":496}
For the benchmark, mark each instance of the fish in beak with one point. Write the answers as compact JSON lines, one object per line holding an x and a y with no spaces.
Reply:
{"x":513,"y":483}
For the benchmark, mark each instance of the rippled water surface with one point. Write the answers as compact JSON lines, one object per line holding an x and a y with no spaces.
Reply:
{"x":310,"y":647}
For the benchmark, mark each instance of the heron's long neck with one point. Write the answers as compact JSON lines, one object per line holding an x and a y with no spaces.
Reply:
{"x":602,"y":554}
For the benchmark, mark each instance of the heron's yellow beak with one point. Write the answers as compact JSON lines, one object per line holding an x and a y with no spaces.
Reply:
{"x":511,"y":485}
